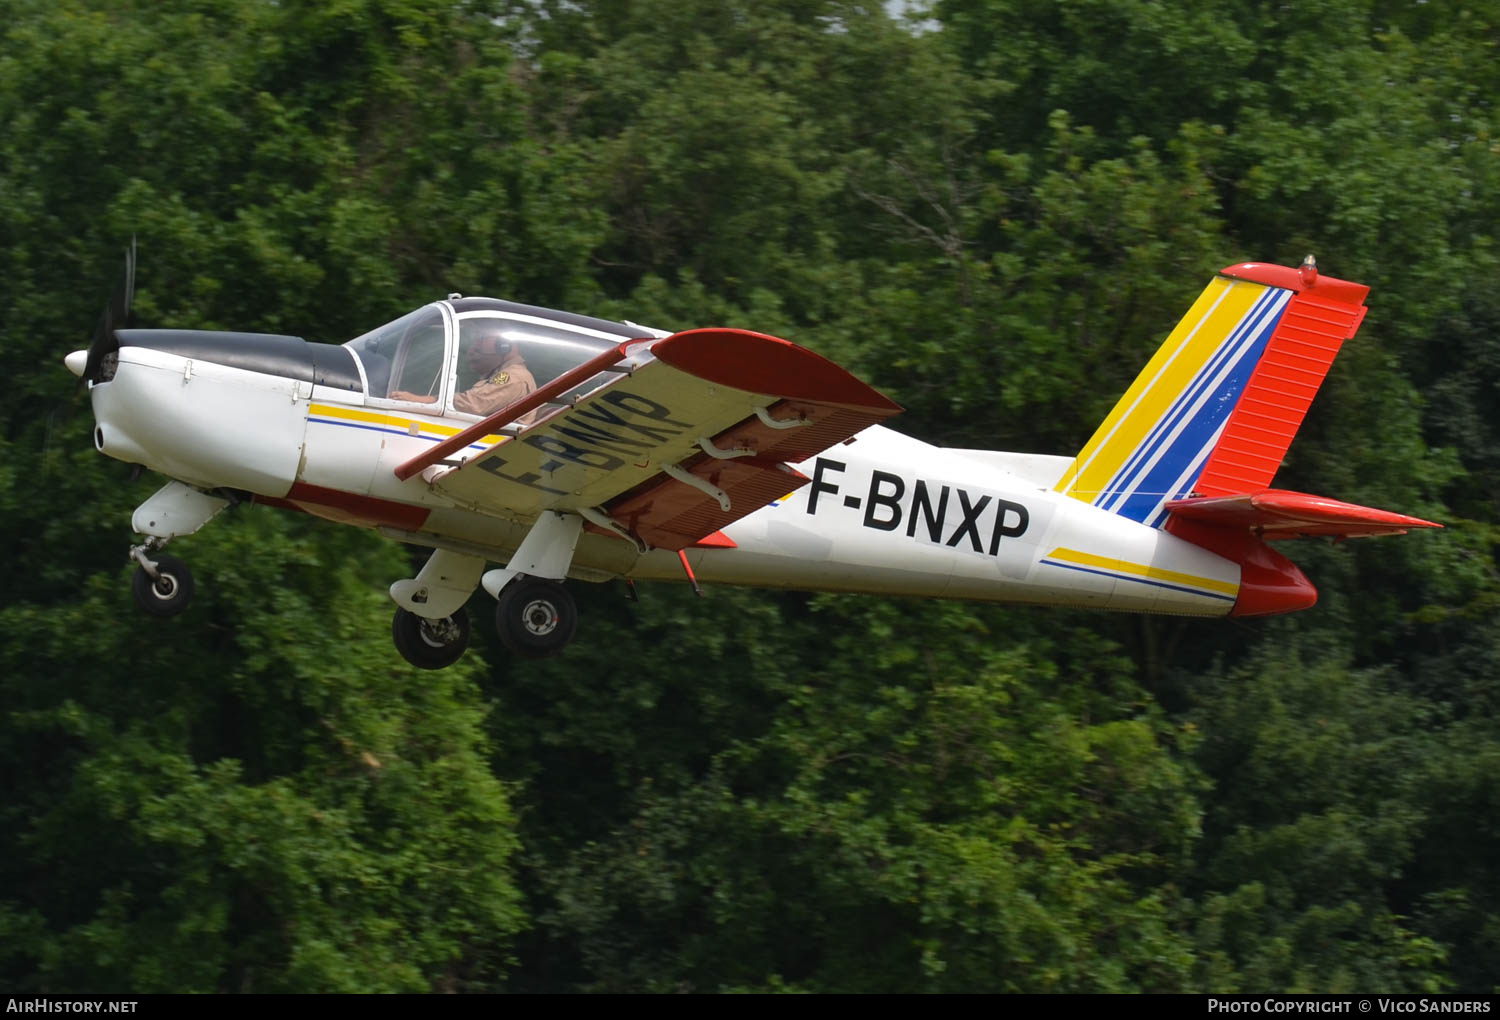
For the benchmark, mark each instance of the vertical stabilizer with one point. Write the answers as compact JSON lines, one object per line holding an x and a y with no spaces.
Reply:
{"x":1215,"y":409}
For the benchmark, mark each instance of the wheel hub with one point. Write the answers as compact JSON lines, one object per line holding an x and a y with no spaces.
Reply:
{"x":539,"y":617}
{"x":438,"y":633}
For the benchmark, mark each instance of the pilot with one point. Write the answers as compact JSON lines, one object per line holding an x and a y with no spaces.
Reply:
{"x":500,"y":375}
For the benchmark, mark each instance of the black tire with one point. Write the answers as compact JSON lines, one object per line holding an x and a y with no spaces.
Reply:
{"x":431,"y":644}
{"x":535,"y":617}
{"x":169,"y":593}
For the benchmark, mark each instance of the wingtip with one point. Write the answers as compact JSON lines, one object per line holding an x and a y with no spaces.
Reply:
{"x":765,"y":364}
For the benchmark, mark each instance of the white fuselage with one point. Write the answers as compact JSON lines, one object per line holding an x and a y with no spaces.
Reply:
{"x":882,"y":513}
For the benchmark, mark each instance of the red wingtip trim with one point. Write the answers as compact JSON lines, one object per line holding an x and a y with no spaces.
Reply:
{"x":759,"y":363}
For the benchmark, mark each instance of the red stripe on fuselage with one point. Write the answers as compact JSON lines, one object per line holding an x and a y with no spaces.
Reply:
{"x":350,"y":508}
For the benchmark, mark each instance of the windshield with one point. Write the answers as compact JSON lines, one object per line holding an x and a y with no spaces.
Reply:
{"x":405,"y":355}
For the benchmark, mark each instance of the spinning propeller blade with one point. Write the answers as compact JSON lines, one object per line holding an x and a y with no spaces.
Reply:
{"x":116,"y":316}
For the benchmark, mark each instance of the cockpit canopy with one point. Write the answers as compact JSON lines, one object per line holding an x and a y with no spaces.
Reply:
{"x":444,"y":349}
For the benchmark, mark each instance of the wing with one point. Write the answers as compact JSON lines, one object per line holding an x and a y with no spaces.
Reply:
{"x":683,"y":443}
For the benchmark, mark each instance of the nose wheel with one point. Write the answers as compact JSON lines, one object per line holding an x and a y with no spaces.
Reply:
{"x":431,"y":644}
{"x":535,"y":617}
{"x":162,"y":584}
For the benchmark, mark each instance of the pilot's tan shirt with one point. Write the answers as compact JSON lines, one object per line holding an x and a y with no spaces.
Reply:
{"x":505,"y":385}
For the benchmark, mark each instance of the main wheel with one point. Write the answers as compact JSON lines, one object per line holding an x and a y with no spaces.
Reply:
{"x":169,"y":592}
{"x":535,"y":617}
{"x":431,"y":644}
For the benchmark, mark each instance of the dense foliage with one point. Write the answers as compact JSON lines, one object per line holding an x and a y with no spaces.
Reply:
{"x":993,"y":210}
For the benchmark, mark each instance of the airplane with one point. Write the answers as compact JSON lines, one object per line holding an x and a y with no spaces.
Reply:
{"x":726,"y":456}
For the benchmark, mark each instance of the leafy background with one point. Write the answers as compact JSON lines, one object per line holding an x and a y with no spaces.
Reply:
{"x":992,"y":210}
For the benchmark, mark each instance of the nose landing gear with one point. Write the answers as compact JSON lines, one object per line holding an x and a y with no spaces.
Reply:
{"x":162,"y":585}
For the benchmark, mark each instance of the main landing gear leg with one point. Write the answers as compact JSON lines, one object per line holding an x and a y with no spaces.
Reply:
{"x":431,"y":627}
{"x":535,"y":616}
{"x":162,"y":584}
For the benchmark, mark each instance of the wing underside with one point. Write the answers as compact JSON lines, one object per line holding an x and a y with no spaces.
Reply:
{"x":667,"y":453}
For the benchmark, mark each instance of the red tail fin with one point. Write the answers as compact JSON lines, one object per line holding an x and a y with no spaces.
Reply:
{"x":1231,"y":511}
{"x":1319,"y":317}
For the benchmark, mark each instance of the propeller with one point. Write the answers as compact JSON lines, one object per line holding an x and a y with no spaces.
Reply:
{"x":116,"y":315}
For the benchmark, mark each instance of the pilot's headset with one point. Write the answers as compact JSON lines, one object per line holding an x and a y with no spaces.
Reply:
{"x":503,"y":344}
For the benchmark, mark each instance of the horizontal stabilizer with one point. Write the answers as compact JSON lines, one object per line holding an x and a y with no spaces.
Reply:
{"x":1277,"y":513}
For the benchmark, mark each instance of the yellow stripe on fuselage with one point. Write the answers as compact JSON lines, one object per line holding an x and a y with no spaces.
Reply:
{"x":1221,"y":307}
{"x":405,"y":424}
{"x":1085,"y":559}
